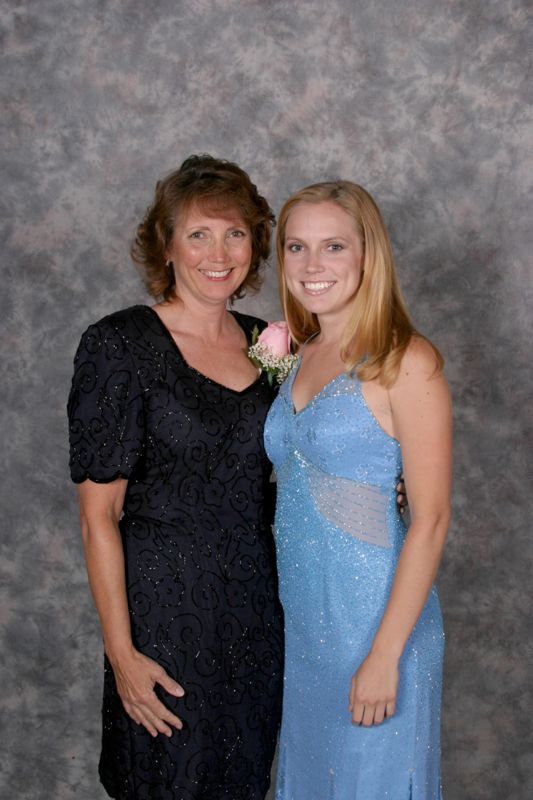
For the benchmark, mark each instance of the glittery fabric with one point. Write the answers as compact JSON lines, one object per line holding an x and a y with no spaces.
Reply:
{"x":199,"y":558}
{"x":335,"y":571}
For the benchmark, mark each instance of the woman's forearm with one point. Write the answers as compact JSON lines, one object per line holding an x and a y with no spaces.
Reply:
{"x":105,"y":567}
{"x":135,"y":674}
{"x":415,"y":574}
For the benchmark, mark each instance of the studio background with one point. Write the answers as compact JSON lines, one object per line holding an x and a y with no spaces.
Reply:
{"x":425,"y":103}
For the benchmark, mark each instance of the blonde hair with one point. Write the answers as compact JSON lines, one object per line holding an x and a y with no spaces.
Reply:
{"x":379,"y":329}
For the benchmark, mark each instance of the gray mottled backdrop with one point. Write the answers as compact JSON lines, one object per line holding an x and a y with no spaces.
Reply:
{"x":425,"y":102}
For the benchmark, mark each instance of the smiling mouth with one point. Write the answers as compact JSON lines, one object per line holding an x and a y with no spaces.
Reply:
{"x":317,"y":287}
{"x":216,"y":274}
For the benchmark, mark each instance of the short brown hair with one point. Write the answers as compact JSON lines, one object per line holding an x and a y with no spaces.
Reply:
{"x":215,"y":185}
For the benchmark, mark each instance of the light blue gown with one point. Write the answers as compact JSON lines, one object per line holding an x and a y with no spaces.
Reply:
{"x":338,"y":539}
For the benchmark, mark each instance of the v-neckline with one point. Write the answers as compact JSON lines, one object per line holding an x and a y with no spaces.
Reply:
{"x":296,"y":412}
{"x":202,"y":375}
{"x":322,"y":391}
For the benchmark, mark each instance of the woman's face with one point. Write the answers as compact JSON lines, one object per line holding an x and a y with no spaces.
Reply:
{"x":211,"y":255}
{"x":323,"y":257}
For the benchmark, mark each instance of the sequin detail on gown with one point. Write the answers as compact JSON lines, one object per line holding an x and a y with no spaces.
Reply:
{"x":199,"y":558}
{"x":338,"y":539}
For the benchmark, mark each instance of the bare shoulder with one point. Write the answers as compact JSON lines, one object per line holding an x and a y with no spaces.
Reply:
{"x":420,"y":397}
{"x":419,"y":362}
{"x":420,"y":379}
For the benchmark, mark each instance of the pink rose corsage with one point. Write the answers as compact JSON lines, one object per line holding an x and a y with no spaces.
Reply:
{"x":271,"y":351}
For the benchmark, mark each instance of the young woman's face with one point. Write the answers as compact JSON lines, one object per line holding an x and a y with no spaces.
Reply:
{"x":211,"y":255}
{"x":323,"y":257}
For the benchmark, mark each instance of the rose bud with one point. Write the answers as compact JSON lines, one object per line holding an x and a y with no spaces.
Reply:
{"x":276,"y":337}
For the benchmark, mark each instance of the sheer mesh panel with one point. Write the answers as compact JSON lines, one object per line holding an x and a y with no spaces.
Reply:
{"x":355,"y":508}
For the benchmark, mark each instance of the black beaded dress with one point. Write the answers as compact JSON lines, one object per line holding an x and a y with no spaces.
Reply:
{"x":199,"y":557}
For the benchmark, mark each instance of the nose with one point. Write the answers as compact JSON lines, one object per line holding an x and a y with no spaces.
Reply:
{"x":218,"y":252}
{"x":314,"y":263}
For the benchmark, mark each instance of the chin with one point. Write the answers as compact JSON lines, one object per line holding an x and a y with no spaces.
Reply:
{"x":315,"y":305}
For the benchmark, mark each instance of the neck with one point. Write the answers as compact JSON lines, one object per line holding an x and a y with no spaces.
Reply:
{"x":331,"y":330}
{"x":196,"y":319}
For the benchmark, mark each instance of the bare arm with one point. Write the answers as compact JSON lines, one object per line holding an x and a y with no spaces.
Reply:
{"x":135,"y":674}
{"x":421,"y":412}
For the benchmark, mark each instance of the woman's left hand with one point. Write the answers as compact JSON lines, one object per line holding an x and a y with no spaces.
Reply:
{"x":373,"y":690}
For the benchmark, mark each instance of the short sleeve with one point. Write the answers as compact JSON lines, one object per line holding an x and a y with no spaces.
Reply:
{"x":105,"y":408}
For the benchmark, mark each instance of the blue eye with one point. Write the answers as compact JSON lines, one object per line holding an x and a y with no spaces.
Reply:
{"x":294,"y":248}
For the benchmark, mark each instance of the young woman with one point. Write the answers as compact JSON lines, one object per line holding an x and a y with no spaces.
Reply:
{"x":363,"y":629}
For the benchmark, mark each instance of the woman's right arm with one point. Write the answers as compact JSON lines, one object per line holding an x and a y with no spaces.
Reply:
{"x":135,"y":674}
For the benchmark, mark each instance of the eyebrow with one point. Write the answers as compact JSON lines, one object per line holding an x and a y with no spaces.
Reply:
{"x":322,"y":241}
{"x":231,"y":224}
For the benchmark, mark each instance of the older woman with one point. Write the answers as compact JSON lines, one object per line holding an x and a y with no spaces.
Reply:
{"x":166,"y":418}
{"x":363,"y":628}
